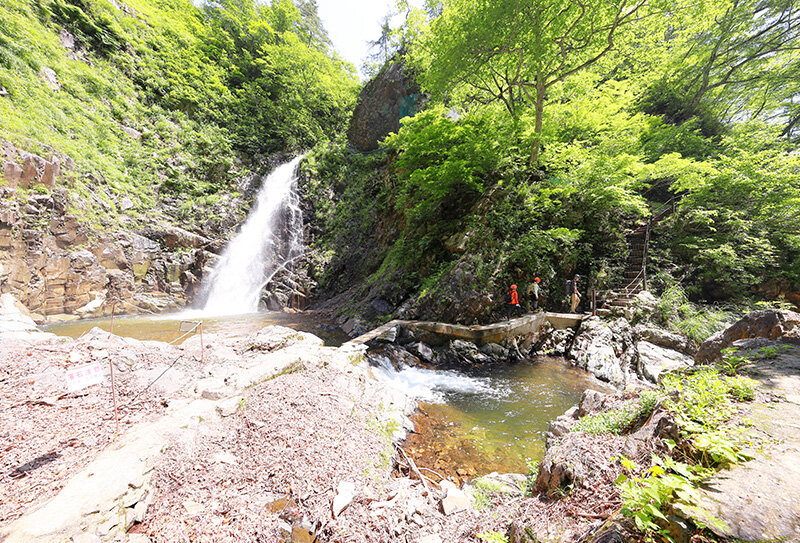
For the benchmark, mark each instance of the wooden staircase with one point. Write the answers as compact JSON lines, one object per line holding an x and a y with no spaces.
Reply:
{"x":634,"y":278}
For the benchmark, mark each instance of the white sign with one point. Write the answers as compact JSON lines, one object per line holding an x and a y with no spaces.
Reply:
{"x":83,"y":376}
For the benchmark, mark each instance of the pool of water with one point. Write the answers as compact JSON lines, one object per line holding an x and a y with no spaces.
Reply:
{"x":169,"y":327}
{"x":490,"y":418}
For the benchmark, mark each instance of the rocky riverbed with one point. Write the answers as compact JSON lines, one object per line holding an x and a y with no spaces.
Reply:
{"x":272,"y":436}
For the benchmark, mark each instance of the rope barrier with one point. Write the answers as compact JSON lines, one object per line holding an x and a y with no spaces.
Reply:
{"x":130,"y":403}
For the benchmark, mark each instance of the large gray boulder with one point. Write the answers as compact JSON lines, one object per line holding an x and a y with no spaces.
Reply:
{"x":606,"y":349}
{"x":654,"y":360}
{"x":387,"y":98}
{"x":770,"y":324}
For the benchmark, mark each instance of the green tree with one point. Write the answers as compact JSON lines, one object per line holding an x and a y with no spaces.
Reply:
{"x":514,"y":51}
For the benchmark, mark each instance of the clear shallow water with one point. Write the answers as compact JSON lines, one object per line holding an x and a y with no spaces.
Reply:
{"x":492,"y":418}
{"x":167,"y":327}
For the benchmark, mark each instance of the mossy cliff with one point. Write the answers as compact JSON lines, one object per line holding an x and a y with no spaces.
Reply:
{"x":148,"y":117}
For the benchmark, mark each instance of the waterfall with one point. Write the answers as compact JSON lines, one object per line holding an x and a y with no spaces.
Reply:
{"x":270,"y":239}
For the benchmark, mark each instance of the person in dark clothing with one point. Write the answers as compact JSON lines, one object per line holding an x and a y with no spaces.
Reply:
{"x":512,"y":302}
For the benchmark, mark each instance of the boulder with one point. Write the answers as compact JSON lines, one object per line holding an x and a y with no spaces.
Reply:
{"x":14,"y":317}
{"x":50,"y":78}
{"x":391,"y":95}
{"x":345,"y":492}
{"x":606,"y":350}
{"x":770,"y":324}
{"x":12,"y":172}
{"x":665,"y":338}
{"x":454,"y":499}
{"x":421,"y":351}
{"x":564,"y":465}
{"x":553,"y":341}
{"x":654,"y":360}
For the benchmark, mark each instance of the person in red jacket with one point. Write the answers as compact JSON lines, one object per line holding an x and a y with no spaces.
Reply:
{"x":512,"y":302}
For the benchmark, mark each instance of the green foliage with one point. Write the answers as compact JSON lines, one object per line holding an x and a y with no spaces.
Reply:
{"x":620,"y":420}
{"x":731,"y":362}
{"x":493,"y":537}
{"x":441,"y":163}
{"x":701,"y":403}
{"x":664,"y":485}
{"x":172,"y":72}
{"x":696,"y":322}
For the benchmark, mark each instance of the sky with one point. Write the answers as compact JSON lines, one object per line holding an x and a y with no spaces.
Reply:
{"x":353,"y":23}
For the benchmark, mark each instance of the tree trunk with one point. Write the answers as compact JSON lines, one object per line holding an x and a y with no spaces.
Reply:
{"x":537,"y":128}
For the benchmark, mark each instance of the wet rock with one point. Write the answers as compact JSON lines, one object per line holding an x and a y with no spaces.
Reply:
{"x":654,"y":360}
{"x":355,"y":327}
{"x":422,"y":351}
{"x":553,"y":341}
{"x":770,"y":324}
{"x":495,"y":351}
{"x":389,"y":335}
{"x":173,"y":237}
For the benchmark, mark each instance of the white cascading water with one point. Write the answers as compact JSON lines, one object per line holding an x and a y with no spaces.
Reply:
{"x":270,"y":239}
{"x":432,"y":386}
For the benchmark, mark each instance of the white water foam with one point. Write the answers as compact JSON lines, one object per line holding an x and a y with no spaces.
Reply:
{"x":270,"y":240}
{"x":433,"y":386}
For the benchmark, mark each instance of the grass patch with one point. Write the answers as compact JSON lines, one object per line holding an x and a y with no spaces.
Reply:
{"x":617,"y":421}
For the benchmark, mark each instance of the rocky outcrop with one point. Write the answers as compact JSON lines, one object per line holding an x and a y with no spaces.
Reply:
{"x":387,"y":98}
{"x":607,"y":350}
{"x":25,"y":169}
{"x":55,"y":264}
{"x":460,"y":302}
{"x":654,"y":360}
{"x":770,"y":324}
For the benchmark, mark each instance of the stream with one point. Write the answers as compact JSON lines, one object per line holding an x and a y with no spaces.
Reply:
{"x":167,"y":327}
{"x":483,"y":419}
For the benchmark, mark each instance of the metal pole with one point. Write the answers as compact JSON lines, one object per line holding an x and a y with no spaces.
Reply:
{"x":202,"y":347}
{"x":114,"y":395}
{"x":594,"y":302}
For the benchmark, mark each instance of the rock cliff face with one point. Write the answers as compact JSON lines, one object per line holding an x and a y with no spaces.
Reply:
{"x":55,"y":265}
{"x":390,"y":96}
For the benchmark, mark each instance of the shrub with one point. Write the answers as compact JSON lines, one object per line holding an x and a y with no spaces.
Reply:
{"x":617,"y":421}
